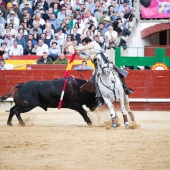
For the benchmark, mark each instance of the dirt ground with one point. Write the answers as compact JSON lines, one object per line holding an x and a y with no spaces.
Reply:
{"x":61,"y":140}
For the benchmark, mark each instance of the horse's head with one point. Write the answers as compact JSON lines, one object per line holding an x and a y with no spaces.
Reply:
{"x":103,"y":65}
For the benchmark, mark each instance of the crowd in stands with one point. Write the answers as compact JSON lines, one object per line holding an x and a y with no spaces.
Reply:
{"x":53,"y":29}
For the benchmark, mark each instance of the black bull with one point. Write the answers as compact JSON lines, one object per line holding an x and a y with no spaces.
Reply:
{"x":46,"y":94}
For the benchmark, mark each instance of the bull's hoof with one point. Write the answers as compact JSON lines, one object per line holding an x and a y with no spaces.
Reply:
{"x":9,"y":123}
{"x":89,"y":123}
{"x":22,"y":124}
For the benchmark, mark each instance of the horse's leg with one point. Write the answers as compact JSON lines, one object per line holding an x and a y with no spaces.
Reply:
{"x":123,"y":111}
{"x":112,"y":111}
{"x":127,"y":106}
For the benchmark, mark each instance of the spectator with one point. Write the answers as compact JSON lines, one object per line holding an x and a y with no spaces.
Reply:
{"x":2,"y":22}
{"x":101,"y":39}
{"x":102,"y":29}
{"x":48,"y":38}
{"x":54,"y":51}
{"x":62,"y":14}
{"x":29,"y":47}
{"x":40,"y":48}
{"x":9,"y":4}
{"x":76,"y":35}
{"x":95,"y":8}
{"x":56,"y":8}
{"x":2,"y":3}
{"x":16,"y":9}
{"x":112,"y":46}
{"x":90,"y":19}
{"x":111,"y":34}
{"x":49,"y":28}
{"x":13,"y":18}
{"x":4,"y":50}
{"x":96,"y":38}
{"x":36,"y":25}
{"x":26,"y":4}
{"x":30,"y":37}
{"x":52,"y":4}
{"x":9,"y":40}
{"x":107,"y":21}
{"x":16,"y":49}
{"x":36,"y":36}
{"x":115,"y":7}
{"x":83,"y":66}
{"x":89,"y":5}
{"x":125,"y":4}
{"x":54,"y":21}
{"x":61,"y":59}
{"x":38,"y":18}
{"x":111,"y":12}
{"x":99,"y":14}
{"x":67,"y":44}
{"x":44,"y":59}
{"x":101,"y":20}
{"x":81,"y":25}
{"x":106,"y":43}
{"x":30,"y":20}
{"x":61,"y":37}
{"x":21,"y":40}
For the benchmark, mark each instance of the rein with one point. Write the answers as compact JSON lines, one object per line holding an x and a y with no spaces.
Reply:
{"x":109,"y":87}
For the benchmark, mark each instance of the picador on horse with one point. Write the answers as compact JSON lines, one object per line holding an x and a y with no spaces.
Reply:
{"x":90,"y":50}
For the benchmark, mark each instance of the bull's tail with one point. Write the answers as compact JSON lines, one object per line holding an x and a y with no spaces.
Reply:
{"x":7,"y":95}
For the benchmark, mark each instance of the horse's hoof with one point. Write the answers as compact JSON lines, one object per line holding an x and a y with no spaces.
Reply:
{"x":126,"y":124}
{"x":89,"y":123}
{"x":113,"y":126}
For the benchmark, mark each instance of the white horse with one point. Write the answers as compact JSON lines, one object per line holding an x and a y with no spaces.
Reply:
{"x":111,"y":89}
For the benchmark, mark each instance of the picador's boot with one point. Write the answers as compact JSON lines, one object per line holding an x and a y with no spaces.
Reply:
{"x":113,"y":122}
{"x":125,"y":120}
{"x":100,"y":101}
{"x":127,"y":90}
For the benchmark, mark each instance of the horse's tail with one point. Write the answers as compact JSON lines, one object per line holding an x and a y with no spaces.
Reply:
{"x":7,"y":95}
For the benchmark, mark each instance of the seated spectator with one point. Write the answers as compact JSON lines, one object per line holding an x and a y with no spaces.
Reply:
{"x":16,"y":49}
{"x":125,"y":4}
{"x":102,"y":29}
{"x":49,"y":28}
{"x":83,"y":66}
{"x":30,"y":37}
{"x":20,"y":39}
{"x":106,"y":43}
{"x":2,"y":22}
{"x":96,"y":38}
{"x":76,"y":35}
{"x":67,"y":44}
{"x":9,"y":40}
{"x":36,"y":25}
{"x":40,"y":48}
{"x":112,"y":34}
{"x":61,"y":59}
{"x":99,"y":14}
{"x":54,"y":21}
{"x":36,"y":36}
{"x":15,"y":18}
{"x":112,"y":46}
{"x":56,"y":8}
{"x":44,"y":59}
{"x":54,"y":51}
{"x":29,"y":47}
{"x":4,"y":50}
{"x":38,"y":18}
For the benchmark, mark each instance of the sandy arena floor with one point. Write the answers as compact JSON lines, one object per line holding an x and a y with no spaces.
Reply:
{"x":61,"y":140}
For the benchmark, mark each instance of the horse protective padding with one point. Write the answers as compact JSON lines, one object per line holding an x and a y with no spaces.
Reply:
{"x":89,"y":85}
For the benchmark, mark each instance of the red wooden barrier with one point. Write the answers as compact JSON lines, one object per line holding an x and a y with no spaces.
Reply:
{"x":146,"y":84}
